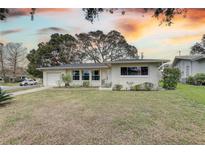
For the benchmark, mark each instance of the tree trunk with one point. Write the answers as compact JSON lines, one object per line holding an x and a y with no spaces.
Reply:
{"x":2,"y":65}
{"x":14,"y":69}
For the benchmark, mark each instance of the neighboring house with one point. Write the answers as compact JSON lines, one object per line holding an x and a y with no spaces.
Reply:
{"x":124,"y":72}
{"x":189,"y":65}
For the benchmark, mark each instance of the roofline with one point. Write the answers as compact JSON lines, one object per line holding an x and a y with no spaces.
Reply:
{"x":68,"y":67}
{"x":191,"y":59}
{"x":141,"y":61}
{"x":106,"y":63}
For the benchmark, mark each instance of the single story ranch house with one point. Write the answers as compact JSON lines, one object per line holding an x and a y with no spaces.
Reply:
{"x":189,"y":65}
{"x":122,"y":72}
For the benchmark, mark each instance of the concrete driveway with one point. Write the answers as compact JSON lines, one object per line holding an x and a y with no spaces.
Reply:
{"x":16,"y":87}
{"x":22,"y":92}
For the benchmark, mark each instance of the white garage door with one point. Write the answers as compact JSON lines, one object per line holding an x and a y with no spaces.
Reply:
{"x":53,"y":78}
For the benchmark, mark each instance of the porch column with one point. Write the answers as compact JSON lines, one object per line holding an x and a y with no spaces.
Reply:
{"x":100,"y":77}
{"x":80,"y":73}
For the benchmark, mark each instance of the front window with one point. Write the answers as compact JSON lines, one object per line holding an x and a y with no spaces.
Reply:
{"x":95,"y":75}
{"x":123,"y":70}
{"x":187,"y":71}
{"x":76,"y":75}
{"x":134,"y":71}
{"x":144,"y":70}
{"x":85,"y":75}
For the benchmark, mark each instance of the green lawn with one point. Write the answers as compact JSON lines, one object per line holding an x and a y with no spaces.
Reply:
{"x":193,"y":93}
{"x":62,"y":116}
{"x":8,"y":84}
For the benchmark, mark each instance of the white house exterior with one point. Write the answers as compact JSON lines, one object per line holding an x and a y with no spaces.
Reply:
{"x":124,"y":72}
{"x":189,"y":65}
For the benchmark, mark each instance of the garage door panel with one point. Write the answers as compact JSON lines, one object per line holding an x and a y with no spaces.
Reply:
{"x":53,"y":78}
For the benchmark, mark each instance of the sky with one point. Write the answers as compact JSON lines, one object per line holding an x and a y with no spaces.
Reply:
{"x":140,"y":29}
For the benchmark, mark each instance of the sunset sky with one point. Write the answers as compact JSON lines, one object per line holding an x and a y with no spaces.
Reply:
{"x":140,"y":29}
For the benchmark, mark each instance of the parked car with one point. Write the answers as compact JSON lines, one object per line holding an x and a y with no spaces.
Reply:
{"x":28,"y":82}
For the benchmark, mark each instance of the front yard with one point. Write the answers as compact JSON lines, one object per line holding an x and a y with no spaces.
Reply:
{"x":62,"y":116}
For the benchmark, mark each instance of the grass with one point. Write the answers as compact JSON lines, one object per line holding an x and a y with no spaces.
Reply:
{"x":62,"y":116}
{"x":8,"y":84}
{"x":193,"y":93}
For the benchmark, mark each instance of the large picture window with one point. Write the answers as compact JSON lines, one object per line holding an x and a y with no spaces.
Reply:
{"x":85,"y":75}
{"x":95,"y":75}
{"x":134,"y":71}
{"x":76,"y":75}
{"x":144,"y":70}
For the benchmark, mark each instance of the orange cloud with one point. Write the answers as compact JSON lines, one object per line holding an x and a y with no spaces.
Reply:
{"x":184,"y":39}
{"x":194,"y":18}
{"x":134,"y":29}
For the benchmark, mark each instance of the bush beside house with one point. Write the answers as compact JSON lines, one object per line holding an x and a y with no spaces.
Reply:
{"x":198,"y":79}
{"x":171,"y":77}
{"x":86,"y":84}
{"x":146,"y":86}
{"x":117,"y":87}
{"x":66,"y":79}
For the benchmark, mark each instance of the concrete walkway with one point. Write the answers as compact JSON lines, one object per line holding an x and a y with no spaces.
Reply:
{"x":29,"y":91}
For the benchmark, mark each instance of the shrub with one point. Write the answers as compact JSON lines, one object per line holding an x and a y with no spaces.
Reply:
{"x":130,"y":84}
{"x":66,"y":79}
{"x":136,"y":87}
{"x":4,"y":97}
{"x":170,"y":78}
{"x":86,"y":83}
{"x":108,"y":85}
{"x":117,"y":87}
{"x":146,"y":86}
{"x":199,"y":78}
{"x":6,"y":79}
{"x":190,"y":80}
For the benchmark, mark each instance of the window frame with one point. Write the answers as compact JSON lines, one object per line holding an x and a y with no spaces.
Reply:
{"x":93,"y":76}
{"x":137,"y":75}
{"x":85,"y":75}
{"x":75,"y":75}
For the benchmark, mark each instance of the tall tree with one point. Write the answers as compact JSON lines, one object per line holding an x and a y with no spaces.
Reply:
{"x":198,"y":48}
{"x":2,"y":60}
{"x":203,"y":40}
{"x":60,"y":49}
{"x":15,"y":55}
{"x":164,"y":15}
{"x":99,"y":47}
{"x":34,"y":63}
{"x":65,"y":46}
